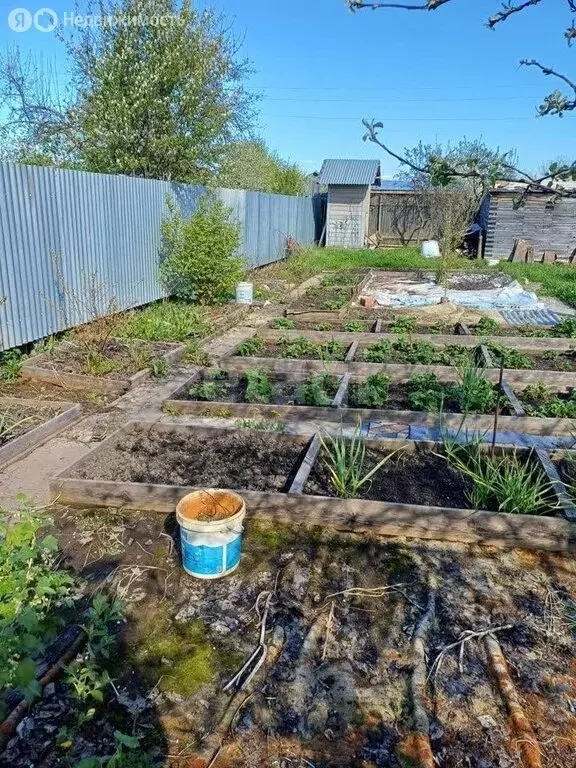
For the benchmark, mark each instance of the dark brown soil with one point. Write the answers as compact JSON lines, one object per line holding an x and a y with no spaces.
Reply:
{"x":123,"y":358}
{"x":92,"y":402}
{"x":323,"y":297}
{"x":422,"y":478}
{"x":554,"y":361}
{"x":16,"y":420}
{"x":530,"y":331}
{"x":256,"y":461}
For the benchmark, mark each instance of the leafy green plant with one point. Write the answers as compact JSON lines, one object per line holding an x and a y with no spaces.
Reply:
{"x":97,"y":364}
{"x":511,"y":358}
{"x":487,"y":326}
{"x":335,"y":303}
{"x":539,"y":401}
{"x":323,"y":327}
{"x":379,"y":352}
{"x":373,"y":393}
{"x":33,"y":593}
{"x":566,"y":327}
{"x":316,"y":390}
{"x":200,"y":260}
{"x":345,"y":458}
{"x":339,"y":278}
{"x":417,"y":352}
{"x":158,"y":367}
{"x":426,"y":393}
{"x":216,"y":374}
{"x":440,"y":328}
{"x":403,"y":325}
{"x":473,"y":392}
{"x":251,"y":347}
{"x":456,"y":355}
{"x":87,"y":681}
{"x":512,"y":484}
{"x":10,"y":365}
{"x":45,"y":346}
{"x":533,"y":331}
{"x":354,"y":326}
{"x":283,"y":322}
{"x":331,"y":350}
{"x":167,"y":320}
{"x":208,"y":390}
{"x":128,"y":754}
{"x":258,"y":387}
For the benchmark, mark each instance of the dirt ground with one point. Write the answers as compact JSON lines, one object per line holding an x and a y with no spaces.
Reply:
{"x":336,"y":690}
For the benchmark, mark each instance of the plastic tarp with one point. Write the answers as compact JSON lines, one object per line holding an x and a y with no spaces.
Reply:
{"x":418,"y":294}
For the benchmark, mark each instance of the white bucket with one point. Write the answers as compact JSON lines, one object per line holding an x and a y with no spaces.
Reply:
{"x":430,"y":249}
{"x":210,"y":548}
{"x":244,"y":293}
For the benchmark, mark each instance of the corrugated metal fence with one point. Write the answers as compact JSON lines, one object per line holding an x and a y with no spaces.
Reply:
{"x":60,"y":228}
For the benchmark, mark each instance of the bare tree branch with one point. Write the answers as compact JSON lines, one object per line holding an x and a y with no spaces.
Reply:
{"x":430,"y":5}
{"x":509,"y":10}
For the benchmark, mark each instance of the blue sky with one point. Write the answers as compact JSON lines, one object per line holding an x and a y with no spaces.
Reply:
{"x":427,"y":76}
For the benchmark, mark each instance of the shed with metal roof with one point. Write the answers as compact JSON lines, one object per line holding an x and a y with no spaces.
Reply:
{"x":348,"y":207}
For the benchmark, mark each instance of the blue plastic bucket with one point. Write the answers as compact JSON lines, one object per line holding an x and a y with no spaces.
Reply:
{"x":211,"y":525}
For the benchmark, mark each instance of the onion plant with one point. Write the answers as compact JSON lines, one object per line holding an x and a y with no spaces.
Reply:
{"x":345,"y":460}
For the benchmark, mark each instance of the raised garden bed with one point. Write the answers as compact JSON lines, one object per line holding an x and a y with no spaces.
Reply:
{"x":551,"y":360}
{"x":546,"y":401}
{"x":293,"y":347}
{"x":26,"y":424}
{"x":151,"y":466}
{"x":257,"y":392}
{"x":122,"y":365}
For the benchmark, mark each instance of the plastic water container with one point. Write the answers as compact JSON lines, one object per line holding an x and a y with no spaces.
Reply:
{"x":211,"y":526}
{"x":244,"y":293}
{"x":430,"y":249}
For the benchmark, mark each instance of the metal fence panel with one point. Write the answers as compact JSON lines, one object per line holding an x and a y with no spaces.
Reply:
{"x":60,"y":228}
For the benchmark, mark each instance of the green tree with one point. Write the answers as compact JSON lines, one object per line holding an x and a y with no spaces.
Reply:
{"x":151,"y":99}
{"x":251,"y":165}
{"x":199,"y":253}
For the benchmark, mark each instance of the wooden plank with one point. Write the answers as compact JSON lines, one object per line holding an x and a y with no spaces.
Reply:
{"x":463,"y":330}
{"x":514,"y":402}
{"x":308,"y":462}
{"x":378,"y":326}
{"x":564,"y":498}
{"x":20,"y":446}
{"x":341,"y":397}
{"x":351,"y":352}
{"x":358,"y":516}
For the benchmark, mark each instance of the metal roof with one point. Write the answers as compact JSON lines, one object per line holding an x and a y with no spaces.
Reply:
{"x":393,"y":185}
{"x":349,"y":172}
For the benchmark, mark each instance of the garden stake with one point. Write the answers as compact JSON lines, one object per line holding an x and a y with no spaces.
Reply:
{"x":497,"y":413}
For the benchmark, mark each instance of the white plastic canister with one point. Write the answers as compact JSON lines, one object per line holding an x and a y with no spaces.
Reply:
{"x":244,"y":293}
{"x":430,"y":249}
{"x":210,"y":548}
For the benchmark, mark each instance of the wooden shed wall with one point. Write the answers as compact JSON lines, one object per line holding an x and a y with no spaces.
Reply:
{"x":551,"y":228}
{"x":347,"y":214}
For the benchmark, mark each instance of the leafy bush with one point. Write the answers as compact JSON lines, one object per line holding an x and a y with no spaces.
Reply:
{"x":486,"y":326}
{"x":373,"y":393}
{"x":512,"y":358}
{"x":454,"y":354}
{"x":34,"y":591}
{"x":566,"y":327}
{"x":331,"y":350}
{"x":199,"y":253}
{"x":208,"y":390}
{"x":473,"y":392}
{"x":417,"y":352}
{"x":316,"y":390}
{"x":299,"y":347}
{"x":284,"y":322}
{"x":539,"y":401}
{"x":403,"y":325}
{"x":10,"y":365}
{"x":427,"y":393}
{"x":251,"y":347}
{"x":379,"y":352}
{"x":258,"y":387}
{"x":354,"y":326}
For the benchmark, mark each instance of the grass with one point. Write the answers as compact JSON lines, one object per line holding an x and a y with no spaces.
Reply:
{"x":163,"y":321}
{"x":555,"y":280}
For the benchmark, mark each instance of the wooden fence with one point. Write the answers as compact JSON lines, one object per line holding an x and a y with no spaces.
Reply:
{"x":400,"y":218}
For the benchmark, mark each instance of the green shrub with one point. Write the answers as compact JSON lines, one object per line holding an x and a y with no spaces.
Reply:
{"x":486,"y":327}
{"x":251,"y":347}
{"x":316,"y":390}
{"x":10,"y":365}
{"x":373,"y":393}
{"x":566,"y":327}
{"x":200,"y":260}
{"x":208,"y":390}
{"x":512,"y":358}
{"x":284,"y":322}
{"x":403,"y":325}
{"x":258,"y":387}
{"x":354,"y":326}
{"x":426,"y":393}
{"x":378,"y":353}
